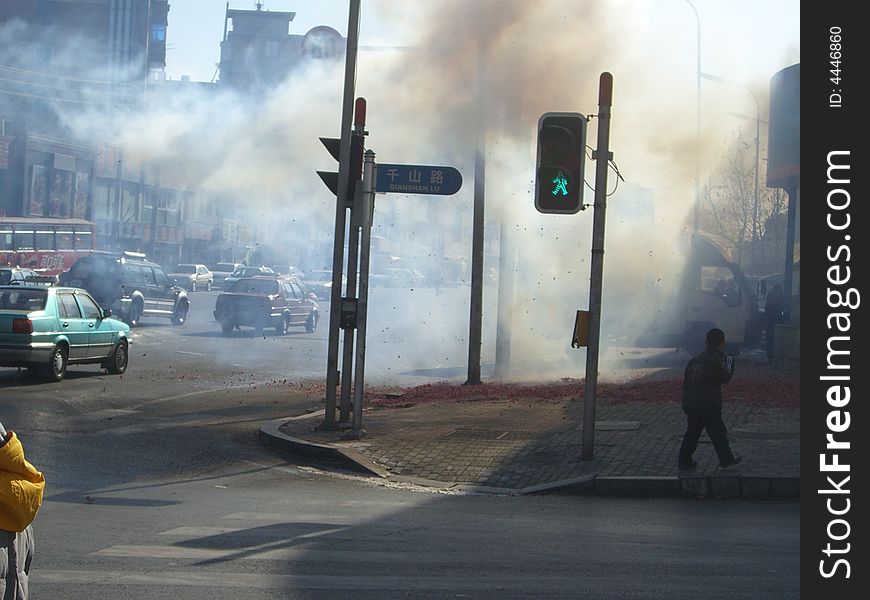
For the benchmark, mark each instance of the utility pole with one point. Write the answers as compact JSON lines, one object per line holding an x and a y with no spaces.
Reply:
{"x":341,"y":206}
{"x":602,"y":158}
{"x":476,"y":312}
{"x":504,"y":320}
{"x":155,"y":202}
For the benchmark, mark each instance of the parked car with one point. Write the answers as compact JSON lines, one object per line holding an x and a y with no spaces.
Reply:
{"x":47,"y":328}
{"x":221,"y":270}
{"x":261,"y":302}
{"x":319,"y":281}
{"x":129,"y":284}
{"x":191,"y":277}
{"x":244,"y":271}
{"x":15,"y":275}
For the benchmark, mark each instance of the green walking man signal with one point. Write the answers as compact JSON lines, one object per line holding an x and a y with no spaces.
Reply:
{"x":560,"y":162}
{"x":560,"y":185}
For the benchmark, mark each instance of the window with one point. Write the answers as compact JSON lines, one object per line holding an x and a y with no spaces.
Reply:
{"x":150,"y":280}
{"x":84,"y":240}
{"x":5,"y":238}
{"x":134,"y":275}
{"x":44,"y":239}
{"x":288,"y":292}
{"x":23,"y":299}
{"x":64,"y":238}
{"x":102,"y":200}
{"x":89,"y":308}
{"x":23,"y":239}
{"x":158,"y":33}
{"x":160,"y":277}
{"x":67,"y":307}
{"x":720,"y":282}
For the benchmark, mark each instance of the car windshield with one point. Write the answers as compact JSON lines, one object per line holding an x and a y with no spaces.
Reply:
{"x":23,"y":299}
{"x":184,"y":269}
{"x":254,"y":286}
{"x":5,"y":276}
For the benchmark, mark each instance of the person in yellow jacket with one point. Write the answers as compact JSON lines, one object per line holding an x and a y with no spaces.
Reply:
{"x":21,"y":489}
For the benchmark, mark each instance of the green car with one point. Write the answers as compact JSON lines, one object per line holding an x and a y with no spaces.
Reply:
{"x":48,"y":328}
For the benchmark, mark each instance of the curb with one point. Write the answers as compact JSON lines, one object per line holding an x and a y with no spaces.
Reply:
{"x":711,"y":487}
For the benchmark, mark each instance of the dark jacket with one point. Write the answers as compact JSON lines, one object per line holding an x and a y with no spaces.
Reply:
{"x":703,"y":379}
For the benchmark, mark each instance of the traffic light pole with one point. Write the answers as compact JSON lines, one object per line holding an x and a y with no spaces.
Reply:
{"x":350,"y":292}
{"x":366,"y":216}
{"x":602,"y":157}
{"x":341,"y":214}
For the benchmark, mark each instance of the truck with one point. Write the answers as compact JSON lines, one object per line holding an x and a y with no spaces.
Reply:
{"x":712,"y":292}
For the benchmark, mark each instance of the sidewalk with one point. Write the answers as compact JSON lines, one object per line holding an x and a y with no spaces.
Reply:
{"x":520,"y":439}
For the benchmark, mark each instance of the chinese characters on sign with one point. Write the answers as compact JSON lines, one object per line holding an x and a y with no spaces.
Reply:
{"x":418,"y":179}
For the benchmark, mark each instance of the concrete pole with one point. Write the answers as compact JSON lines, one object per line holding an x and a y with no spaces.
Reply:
{"x":602,"y":157}
{"x":476,"y":312}
{"x":340,"y":215}
{"x":504,"y":320}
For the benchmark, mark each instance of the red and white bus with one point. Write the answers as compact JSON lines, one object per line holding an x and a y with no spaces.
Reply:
{"x":45,"y":244}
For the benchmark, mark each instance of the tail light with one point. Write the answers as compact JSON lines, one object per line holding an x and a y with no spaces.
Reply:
{"x":22,"y":326}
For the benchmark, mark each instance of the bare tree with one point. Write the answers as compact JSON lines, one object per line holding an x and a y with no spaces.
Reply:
{"x":728,"y":204}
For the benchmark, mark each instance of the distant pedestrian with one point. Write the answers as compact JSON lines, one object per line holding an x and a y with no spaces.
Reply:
{"x":774,"y":305}
{"x":21,"y":489}
{"x":702,"y":401}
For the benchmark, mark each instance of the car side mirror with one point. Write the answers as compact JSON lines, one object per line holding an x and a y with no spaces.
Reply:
{"x":107,"y":312}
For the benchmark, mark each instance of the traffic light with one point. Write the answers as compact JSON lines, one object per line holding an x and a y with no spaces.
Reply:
{"x":560,"y":162}
{"x":330,"y":178}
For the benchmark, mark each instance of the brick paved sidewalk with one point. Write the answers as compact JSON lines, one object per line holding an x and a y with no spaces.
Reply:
{"x":522,"y":445}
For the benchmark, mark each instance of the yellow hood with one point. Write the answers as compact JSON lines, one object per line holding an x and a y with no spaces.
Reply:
{"x":21,"y":487}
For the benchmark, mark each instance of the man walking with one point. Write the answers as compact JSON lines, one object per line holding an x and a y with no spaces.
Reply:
{"x":702,"y":402}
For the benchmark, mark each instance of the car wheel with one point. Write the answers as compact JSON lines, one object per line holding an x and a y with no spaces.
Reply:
{"x":180,"y":315}
{"x":120,"y":357}
{"x":135,"y":315}
{"x":283,"y":325}
{"x":311,"y":323}
{"x":56,"y":369}
{"x":227,"y":326}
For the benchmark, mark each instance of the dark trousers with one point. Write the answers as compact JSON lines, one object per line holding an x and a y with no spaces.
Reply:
{"x":715,"y":426}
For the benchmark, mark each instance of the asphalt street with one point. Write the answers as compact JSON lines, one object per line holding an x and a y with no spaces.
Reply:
{"x":158,"y":488}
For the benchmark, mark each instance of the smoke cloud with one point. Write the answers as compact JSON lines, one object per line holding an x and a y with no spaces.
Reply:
{"x":475,"y":76}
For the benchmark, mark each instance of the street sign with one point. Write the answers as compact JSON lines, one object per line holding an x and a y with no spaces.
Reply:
{"x":418,"y":179}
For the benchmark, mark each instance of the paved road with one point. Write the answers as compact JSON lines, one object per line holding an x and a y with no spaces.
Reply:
{"x":259,"y":528}
{"x":157,"y":488}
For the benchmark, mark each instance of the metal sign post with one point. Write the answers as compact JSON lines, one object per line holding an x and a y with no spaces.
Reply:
{"x":367,"y":213}
{"x":602,"y":156}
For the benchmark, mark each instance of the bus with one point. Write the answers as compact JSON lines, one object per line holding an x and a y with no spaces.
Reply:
{"x":45,"y":244}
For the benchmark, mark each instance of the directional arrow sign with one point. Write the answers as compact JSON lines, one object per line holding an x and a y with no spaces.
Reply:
{"x":418,"y":179}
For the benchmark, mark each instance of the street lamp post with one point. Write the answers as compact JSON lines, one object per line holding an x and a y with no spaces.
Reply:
{"x":697,"y":210}
{"x":710,"y":77}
